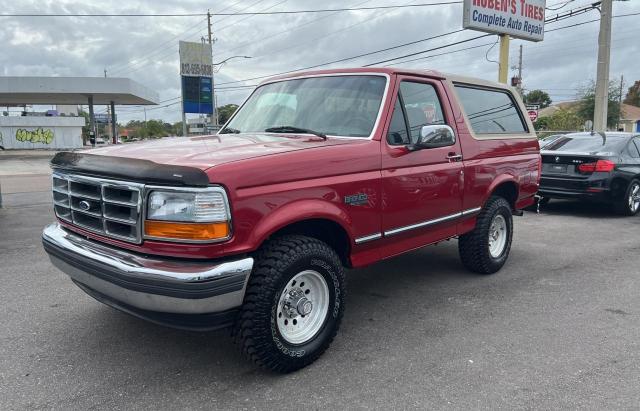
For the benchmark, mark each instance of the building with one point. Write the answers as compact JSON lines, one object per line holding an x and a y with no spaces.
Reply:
{"x":630,"y":118}
{"x":62,"y":128}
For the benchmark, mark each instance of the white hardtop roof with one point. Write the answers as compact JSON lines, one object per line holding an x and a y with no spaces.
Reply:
{"x":74,"y":90}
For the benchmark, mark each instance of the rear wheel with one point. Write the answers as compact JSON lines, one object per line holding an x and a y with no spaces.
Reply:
{"x":629,"y":204}
{"x":293,"y":304}
{"x":486,"y":249}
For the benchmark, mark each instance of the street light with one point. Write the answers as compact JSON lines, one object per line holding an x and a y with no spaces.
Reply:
{"x":227,"y":59}
{"x":220,"y":64}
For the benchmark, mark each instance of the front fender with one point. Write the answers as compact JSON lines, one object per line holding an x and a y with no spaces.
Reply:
{"x":298,"y":211}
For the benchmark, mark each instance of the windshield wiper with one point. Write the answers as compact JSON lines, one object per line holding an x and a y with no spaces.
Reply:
{"x":230,"y":130}
{"x":294,"y":129}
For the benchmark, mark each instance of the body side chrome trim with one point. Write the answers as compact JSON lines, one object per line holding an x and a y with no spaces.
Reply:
{"x":422,"y":224}
{"x":368,"y":238}
{"x":432,"y":222}
{"x":471,"y":211}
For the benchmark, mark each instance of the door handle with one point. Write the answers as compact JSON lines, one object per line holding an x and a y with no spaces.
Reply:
{"x":453,"y":157}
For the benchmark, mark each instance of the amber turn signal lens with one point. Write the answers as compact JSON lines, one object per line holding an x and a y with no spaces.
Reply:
{"x":186,"y":231}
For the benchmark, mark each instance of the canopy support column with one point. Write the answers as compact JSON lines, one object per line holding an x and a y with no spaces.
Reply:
{"x":92,"y":123}
{"x":114,"y":136}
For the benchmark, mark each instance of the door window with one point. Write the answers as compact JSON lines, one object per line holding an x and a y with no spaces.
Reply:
{"x":398,"y":135}
{"x":417,"y":105}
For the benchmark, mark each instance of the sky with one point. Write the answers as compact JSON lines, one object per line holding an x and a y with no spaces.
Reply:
{"x":146,"y":48}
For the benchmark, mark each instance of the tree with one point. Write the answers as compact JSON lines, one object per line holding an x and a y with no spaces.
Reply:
{"x":538,"y":97}
{"x":586,"y":106}
{"x":563,"y":119}
{"x":85,"y":128}
{"x":148,"y":129}
{"x":176,"y":129}
{"x":633,"y":95}
{"x":225,"y":112}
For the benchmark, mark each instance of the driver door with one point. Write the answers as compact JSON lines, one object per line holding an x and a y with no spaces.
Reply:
{"x":422,"y":189}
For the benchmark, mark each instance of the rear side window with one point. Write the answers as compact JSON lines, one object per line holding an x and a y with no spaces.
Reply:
{"x":490,"y":111}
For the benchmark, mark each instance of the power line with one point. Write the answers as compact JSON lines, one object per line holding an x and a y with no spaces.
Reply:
{"x":252,"y":41}
{"x":426,"y":51}
{"x":375,"y":52}
{"x":355,"y":8}
{"x":439,"y":54}
{"x":252,"y":13}
{"x":348,"y":58}
{"x":161,"y":53}
{"x":559,"y":17}
{"x":553,"y":8}
{"x":155,"y":50}
{"x":590,"y":21}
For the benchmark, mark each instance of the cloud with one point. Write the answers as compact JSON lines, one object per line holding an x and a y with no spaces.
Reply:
{"x":146,"y":49}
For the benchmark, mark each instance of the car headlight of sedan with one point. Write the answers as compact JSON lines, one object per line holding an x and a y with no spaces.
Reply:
{"x":197,"y":214}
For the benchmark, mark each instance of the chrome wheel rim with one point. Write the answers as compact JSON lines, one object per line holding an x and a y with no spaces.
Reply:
{"x":303,"y":307}
{"x":634,"y":198}
{"x":497,"y":236}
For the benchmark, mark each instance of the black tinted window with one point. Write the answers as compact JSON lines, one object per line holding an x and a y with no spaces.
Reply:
{"x":588,"y":144}
{"x":490,"y":111}
{"x":397,"y":134}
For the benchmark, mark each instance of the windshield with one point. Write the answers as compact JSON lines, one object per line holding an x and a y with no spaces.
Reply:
{"x":586,"y":144}
{"x":333,"y":105}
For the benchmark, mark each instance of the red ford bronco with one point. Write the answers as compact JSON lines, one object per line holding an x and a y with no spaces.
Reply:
{"x":252,"y":228}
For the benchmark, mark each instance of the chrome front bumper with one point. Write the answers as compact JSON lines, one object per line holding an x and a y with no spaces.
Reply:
{"x":146,"y":286}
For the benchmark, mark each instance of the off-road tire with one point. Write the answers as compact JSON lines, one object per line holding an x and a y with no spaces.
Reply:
{"x":621,"y":205}
{"x":474,"y":246}
{"x":277,"y":262}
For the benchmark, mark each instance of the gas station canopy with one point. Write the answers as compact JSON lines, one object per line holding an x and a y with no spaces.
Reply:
{"x":74,"y":90}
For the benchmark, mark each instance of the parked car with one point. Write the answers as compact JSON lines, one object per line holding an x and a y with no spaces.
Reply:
{"x":548,"y":140}
{"x":595,"y":167}
{"x":252,"y":228}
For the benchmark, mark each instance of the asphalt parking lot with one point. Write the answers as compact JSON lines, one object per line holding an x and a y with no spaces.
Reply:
{"x":558,"y":327}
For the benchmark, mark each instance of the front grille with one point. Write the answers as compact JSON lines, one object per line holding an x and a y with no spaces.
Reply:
{"x":108,"y":207}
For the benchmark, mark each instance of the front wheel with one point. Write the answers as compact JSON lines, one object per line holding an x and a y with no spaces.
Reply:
{"x":293,"y":304}
{"x":629,"y":204}
{"x":486,"y":249}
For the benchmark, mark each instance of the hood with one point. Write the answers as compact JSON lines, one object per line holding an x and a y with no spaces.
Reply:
{"x":204,"y":152}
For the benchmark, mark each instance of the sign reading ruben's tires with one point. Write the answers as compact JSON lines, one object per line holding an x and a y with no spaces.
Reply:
{"x":523,"y":19}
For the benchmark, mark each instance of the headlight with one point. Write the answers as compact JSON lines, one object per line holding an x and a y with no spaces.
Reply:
{"x":188,"y":214}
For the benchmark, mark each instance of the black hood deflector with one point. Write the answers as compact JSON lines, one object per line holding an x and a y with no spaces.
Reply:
{"x":130,"y":169}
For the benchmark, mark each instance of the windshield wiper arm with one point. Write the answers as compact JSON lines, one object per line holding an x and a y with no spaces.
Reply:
{"x":230,"y":130}
{"x":294,"y":129}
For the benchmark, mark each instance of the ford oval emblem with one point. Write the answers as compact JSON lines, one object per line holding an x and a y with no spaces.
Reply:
{"x":84,"y":205}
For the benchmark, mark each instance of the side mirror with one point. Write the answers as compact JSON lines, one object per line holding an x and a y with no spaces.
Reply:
{"x":434,"y":136}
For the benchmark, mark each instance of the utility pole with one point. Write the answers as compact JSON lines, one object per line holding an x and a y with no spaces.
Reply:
{"x":602,"y":77}
{"x":503,"y":71}
{"x":213,"y":97}
{"x":620,"y":102}
{"x":520,"y":65}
